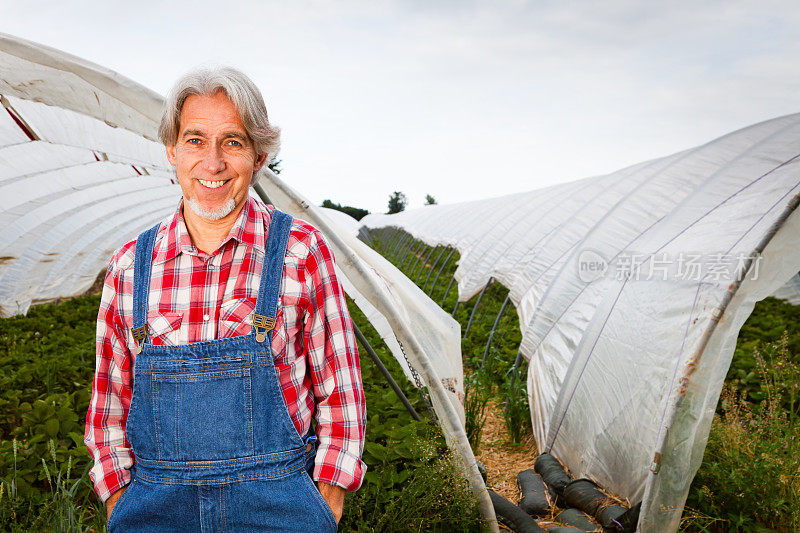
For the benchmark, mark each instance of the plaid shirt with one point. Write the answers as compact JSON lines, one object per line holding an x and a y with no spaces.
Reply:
{"x":194,"y":297}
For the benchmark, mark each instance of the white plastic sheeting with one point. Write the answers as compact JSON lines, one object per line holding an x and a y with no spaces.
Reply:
{"x":790,"y":291}
{"x":420,"y":335}
{"x":77,"y":176}
{"x":626,"y":364}
{"x":80,"y":174}
{"x":449,"y":368}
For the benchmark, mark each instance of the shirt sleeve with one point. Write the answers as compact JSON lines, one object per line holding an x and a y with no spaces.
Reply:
{"x":340,"y":412}
{"x":111,"y":396}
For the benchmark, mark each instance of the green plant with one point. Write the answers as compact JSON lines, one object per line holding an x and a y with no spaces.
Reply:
{"x":755,"y":441}
{"x":750,"y":474}
{"x":515,"y":412}
{"x":411,"y":482}
{"x":46,"y":369}
{"x":433,"y":496}
{"x":475,"y":400}
{"x":64,"y":511}
{"x":44,"y":399}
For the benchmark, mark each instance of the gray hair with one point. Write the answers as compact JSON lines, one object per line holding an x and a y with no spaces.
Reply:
{"x":242,"y":92}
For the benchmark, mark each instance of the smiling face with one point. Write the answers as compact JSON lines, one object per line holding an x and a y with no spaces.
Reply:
{"x":214,"y":158}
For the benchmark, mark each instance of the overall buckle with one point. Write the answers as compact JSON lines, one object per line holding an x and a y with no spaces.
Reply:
{"x":262,"y":322}
{"x":139,"y":335}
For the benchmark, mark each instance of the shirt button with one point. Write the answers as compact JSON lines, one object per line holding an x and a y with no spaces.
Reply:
{"x":206,"y":317}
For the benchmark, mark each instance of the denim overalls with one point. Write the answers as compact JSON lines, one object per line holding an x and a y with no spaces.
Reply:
{"x":214,"y":446}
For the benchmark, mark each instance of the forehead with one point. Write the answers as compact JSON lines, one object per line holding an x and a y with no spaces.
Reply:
{"x":210,"y":112}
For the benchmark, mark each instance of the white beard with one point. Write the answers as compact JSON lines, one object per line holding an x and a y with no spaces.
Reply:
{"x":216,"y":214}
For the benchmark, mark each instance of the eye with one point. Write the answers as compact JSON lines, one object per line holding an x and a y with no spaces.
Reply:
{"x":234,"y":142}
{"x":193,"y":140}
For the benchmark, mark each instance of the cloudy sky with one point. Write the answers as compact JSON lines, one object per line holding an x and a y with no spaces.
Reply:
{"x":461,"y":100}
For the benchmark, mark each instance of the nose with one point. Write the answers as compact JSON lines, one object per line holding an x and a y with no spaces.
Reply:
{"x":213,"y":161}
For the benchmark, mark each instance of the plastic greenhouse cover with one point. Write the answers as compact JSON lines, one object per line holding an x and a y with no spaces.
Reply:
{"x":625,"y":289}
{"x":81,"y":173}
{"x":790,"y":291}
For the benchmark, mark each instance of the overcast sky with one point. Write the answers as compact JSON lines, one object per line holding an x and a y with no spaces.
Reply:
{"x":461,"y":100}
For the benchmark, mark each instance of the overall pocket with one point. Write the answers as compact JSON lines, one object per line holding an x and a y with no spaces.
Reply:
{"x":203,"y":412}
{"x":117,"y":510}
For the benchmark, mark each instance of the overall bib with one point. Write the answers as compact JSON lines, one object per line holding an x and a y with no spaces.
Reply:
{"x":215,"y":448}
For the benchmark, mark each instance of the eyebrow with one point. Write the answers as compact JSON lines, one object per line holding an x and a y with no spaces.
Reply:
{"x":226,"y":135}
{"x":192,"y":133}
{"x":235,"y":135}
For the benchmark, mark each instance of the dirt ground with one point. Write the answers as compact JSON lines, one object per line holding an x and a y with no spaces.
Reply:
{"x":503,"y":460}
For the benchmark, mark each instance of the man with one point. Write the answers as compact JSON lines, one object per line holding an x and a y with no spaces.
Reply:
{"x":227,"y":370}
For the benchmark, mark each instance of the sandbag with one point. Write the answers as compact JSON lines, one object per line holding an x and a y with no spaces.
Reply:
{"x":627,"y":521}
{"x":578,"y":519}
{"x":550,"y":527}
{"x":609,"y":517}
{"x":512,"y":516}
{"x":482,"y":470}
{"x":552,"y":472}
{"x":583,"y":494}
{"x":534,"y":499}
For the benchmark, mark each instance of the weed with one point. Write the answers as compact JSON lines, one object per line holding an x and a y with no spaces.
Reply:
{"x":750,"y":474}
{"x":475,"y":400}
{"x":516,"y":413}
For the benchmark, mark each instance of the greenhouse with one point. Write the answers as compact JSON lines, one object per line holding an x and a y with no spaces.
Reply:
{"x":630,"y":288}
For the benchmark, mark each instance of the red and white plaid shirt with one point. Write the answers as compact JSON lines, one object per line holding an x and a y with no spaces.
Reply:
{"x":197,"y":297}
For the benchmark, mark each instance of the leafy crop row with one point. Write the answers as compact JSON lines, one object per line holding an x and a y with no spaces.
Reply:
{"x":46,"y":368}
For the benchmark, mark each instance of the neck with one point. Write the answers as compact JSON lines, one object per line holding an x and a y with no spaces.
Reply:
{"x":207,"y":235}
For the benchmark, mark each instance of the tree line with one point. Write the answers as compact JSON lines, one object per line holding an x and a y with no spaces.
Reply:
{"x":397,"y":203}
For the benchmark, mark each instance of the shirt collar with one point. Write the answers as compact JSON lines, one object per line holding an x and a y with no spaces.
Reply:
{"x":248,"y":230}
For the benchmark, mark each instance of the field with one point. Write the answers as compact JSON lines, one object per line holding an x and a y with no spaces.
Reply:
{"x":749,"y":481}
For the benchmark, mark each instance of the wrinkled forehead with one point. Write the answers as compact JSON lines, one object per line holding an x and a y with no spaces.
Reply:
{"x":206,"y":114}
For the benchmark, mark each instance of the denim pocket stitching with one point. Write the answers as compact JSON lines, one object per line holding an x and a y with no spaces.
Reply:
{"x":320,"y":500}
{"x":114,"y":511}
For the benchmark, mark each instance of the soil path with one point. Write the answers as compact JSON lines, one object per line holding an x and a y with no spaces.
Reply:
{"x":503,"y":460}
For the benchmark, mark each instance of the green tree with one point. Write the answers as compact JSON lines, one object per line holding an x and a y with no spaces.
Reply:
{"x":430,"y":200}
{"x":397,"y":202}
{"x":355,"y":212}
{"x":275,"y":166}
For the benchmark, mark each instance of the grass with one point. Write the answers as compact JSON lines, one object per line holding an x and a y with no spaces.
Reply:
{"x":750,"y":476}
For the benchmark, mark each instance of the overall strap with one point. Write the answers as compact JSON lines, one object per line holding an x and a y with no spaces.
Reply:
{"x":141,"y":284}
{"x":271,"y":274}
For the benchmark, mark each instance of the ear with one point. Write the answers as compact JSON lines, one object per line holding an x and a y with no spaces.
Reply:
{"x":171,"y":155}
{"x":259,"y":162}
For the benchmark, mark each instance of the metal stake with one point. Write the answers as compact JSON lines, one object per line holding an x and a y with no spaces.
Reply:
{"x":446,"y":260}
{"x":397,"y":244}
{"x":414,"y":266}
{"x":416,"y":254}
{"x":491,"y":334}
{"x":392,"y":383}
{"x":401,"y":255}
{"x":401,"y":236}
{"x":395,"y":232}
{"x":474,"y":309}
{"x":435,"y":262}
{"x":447,"y":291}
{"x":422,"y":267}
